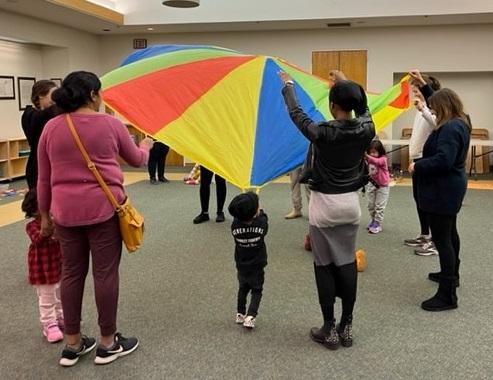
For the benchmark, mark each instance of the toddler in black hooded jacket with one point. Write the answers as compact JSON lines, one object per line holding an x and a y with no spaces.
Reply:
{"x":249,"y":227}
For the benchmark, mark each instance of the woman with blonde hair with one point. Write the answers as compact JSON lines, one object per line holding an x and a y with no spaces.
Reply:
{"x":441,"y":189}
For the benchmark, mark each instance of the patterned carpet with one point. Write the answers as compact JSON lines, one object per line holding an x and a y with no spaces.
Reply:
{"x":178,"y":296}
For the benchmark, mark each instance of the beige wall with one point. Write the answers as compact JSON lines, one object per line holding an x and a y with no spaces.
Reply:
{"x":53,"y":51}
{"x":442,"y":49}
{"x":83,"y":48}
{"x":16,"y":60}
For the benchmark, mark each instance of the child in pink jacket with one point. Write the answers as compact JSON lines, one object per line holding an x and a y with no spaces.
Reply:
{"x":377,"y":189}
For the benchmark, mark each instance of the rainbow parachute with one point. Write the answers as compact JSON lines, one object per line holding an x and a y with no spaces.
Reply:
{"x":224,"y":109}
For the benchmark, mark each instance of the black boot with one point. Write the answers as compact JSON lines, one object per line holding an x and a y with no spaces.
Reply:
{"x":201,"y":218}
{"x":326,"y":335}
{"x":345,"y":331}
{"x":444,"y":299}
{"x":435,"y":277}
{"x":319,"y":334}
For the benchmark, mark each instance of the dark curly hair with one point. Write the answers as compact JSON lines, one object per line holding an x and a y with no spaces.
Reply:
{"x":30,"y":204}
{"x":76,"y":91}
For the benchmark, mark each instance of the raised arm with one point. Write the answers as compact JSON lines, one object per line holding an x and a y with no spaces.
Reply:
{"x":428,"y":116}
{"x":305,"y":124}
{"x":377,"y":161}
{"x":424,"y":88}
{"x":133,"y":155}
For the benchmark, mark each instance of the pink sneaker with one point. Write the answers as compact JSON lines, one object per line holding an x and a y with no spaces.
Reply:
{"x":52,"y":332}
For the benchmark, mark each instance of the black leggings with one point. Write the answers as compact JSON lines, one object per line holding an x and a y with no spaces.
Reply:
{"x":422,"y":216}
{"x":335,"y":281}
{"x":447,"y":241}
{"x":205,"y":190}
{"x":157,"y":157}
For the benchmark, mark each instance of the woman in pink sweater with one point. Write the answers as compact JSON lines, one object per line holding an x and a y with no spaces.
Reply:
{"x":377,"y":189}
{"x":72,"y":202}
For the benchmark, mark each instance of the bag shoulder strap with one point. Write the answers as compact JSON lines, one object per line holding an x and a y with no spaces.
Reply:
{"x":91,"y":165}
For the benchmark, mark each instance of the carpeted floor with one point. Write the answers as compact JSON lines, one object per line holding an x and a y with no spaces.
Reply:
{"x":178,"y":296}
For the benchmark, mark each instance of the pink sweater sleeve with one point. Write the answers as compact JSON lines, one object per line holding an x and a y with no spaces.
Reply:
{"x":130,"y":152}
{"x":381,"y":162}
{"x":44,"y":174}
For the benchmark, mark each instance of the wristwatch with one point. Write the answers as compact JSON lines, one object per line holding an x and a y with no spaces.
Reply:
{"x":289,"y":82}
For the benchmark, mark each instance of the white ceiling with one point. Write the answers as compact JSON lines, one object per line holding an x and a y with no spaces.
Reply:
{"x":241,"y":15}
{"x":212,"y":11}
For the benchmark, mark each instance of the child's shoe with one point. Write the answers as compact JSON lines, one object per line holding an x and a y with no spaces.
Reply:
{"x":249,"y":322}
{"x":370,"y":225}
{"x":52,"y":332}
{"x":375,"y":229}
{"x":240,"y":318}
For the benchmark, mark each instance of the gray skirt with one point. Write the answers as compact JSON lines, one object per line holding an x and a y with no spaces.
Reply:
{"x":334,"y":221}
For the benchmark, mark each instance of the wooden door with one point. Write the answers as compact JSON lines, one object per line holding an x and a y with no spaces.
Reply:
{"x":174,"y":159}
{"x":353,"y":63}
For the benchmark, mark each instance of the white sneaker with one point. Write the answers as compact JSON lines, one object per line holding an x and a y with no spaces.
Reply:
{"x":249,"y":322}
{"x":240,"y":318}
{"x":427,"y":249}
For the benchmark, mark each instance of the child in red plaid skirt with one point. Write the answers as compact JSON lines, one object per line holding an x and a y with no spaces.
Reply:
{"x":44,"y":263}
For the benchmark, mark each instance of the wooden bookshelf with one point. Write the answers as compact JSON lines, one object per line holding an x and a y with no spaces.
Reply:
{"x":172,"y":159}
{"x":13,"y":158}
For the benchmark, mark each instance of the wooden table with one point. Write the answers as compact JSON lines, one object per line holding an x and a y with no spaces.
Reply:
{"x":473,"y":144}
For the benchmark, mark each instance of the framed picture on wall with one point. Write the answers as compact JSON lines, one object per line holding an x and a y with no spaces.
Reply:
{"x":7,"y":88}
{"x":57,"y":81}
{"x":25,"y":86}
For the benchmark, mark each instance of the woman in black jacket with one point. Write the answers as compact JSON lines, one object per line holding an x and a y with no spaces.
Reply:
{"x":338,"y":173}
{"x":33,"y":121}
{"x":441,"y":190}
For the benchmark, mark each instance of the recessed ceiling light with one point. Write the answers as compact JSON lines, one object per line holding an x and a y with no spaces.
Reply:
{"x":182,"y":3}
{"x":150,"y":29}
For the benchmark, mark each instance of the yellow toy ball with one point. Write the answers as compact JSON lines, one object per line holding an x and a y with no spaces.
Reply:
{"x":361,"y":260}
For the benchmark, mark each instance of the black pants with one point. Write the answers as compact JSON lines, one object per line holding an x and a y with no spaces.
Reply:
{"x":447,"y":241}
{"x":422,"y":216}
{"x":205,"y":190}
{"x":250,"y":281}
{"x":32,"y":171}
{"x":337,"y":281}
{"x":157,"y":157}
